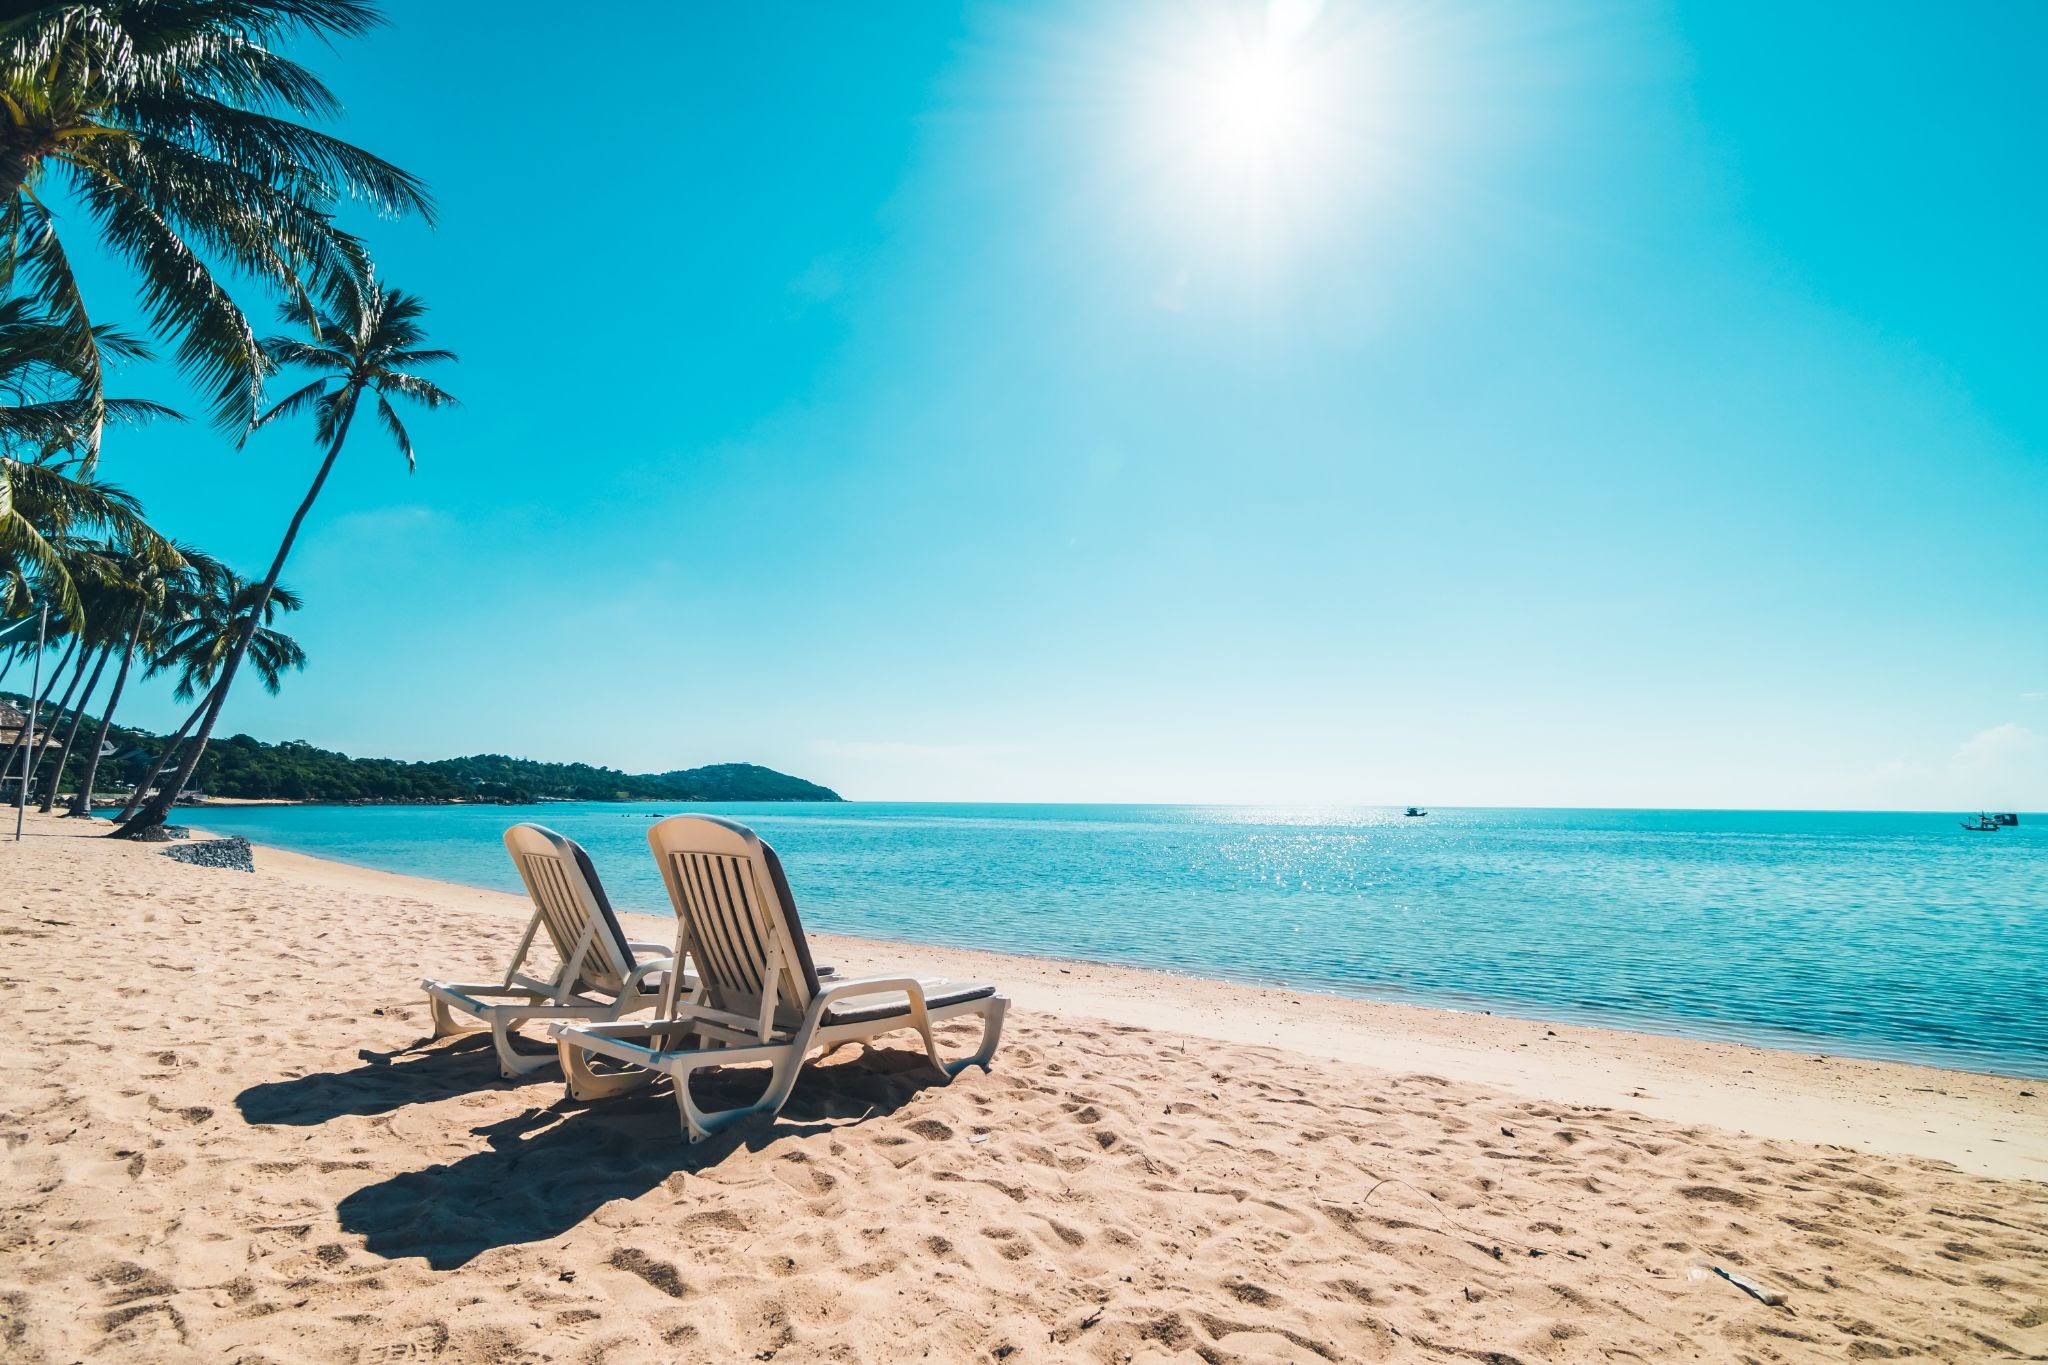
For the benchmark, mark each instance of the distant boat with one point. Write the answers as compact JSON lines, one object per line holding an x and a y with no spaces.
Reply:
{"x":1414,"y":811}
{"x":1984,"y":822}
{"x":2005,"y":817}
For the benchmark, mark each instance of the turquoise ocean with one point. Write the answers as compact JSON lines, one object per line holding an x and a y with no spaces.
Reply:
{"x":1899,"y":936}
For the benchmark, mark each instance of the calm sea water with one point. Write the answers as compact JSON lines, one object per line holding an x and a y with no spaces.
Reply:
{"x":1885,"y":935}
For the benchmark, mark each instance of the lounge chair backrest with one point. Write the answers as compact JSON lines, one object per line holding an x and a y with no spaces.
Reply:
{"x":737,"y":917}
{"x":568,"y":899}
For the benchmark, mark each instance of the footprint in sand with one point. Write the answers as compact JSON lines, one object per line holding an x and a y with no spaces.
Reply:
{"x":720,"y":1221}
{"x":805,"y":1180}
{"x":1714,"y":1194}
{"x":137,"y":1312}
{"x":660,"y":1274}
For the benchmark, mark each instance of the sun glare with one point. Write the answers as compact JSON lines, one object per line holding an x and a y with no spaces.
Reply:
{"x":1254,"y":106}
{"x":1237,"y":121}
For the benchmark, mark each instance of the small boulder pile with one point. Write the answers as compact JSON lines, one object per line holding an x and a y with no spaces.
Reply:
{"x":232,"y":852}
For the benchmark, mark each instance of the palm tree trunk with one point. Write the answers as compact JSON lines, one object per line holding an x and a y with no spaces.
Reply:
{"x":71,"y":735}
{"x":163,"y":757}
{"x":159,"y":806}
{"x":81,"y":804}
{"x":21,"y":740}
{"x":34,"y":762}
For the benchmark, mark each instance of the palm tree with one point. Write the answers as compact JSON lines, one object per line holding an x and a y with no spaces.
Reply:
{"x":45,"y":554}
{"x":48,"y":400}
{"x":367,"y":347}
{"x":46,"y":513}
{"x":156,"y":115}
{"x":98,"y":658}
{"x":197,"y":642}
{"x":155,"y":576}
{"x":70,"y":565}
{"x":49,"y":429}
{"x":103,"y":593}
{"x":11,"y":765}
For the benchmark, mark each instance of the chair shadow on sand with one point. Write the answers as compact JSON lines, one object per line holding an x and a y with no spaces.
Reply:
{"x":546,"y":1170}
{"x":386,"y":1081}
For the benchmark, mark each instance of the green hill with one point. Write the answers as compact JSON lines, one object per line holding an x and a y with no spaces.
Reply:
{"x":242,"y":766}
{"x":581,"y":782}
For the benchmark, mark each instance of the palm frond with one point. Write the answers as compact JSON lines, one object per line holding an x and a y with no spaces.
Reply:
{"x":297,"y":401}
{"x":184,"y":130}
{"x":397,"y":430}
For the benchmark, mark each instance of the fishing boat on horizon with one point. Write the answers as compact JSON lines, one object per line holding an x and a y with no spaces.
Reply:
{"x":1984,"y":821}
{"x":1414,"y":812}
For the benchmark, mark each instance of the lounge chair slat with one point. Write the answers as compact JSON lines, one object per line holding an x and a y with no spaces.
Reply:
{"x":722,"y":971}
{"x":747,"y":942}
{"x":741,"y":979}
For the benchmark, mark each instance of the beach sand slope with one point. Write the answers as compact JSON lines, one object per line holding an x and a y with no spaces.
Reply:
{"x":227,"y":1139}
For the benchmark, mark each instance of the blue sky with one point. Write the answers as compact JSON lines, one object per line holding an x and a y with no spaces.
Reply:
{"x":1604,"y":404}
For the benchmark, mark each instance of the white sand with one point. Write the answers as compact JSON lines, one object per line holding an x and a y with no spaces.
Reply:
{"x":226,"y":1139}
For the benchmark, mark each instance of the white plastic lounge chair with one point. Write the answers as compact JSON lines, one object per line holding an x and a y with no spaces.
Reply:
{"x":599,"y":977}
{"x":758,"y":996}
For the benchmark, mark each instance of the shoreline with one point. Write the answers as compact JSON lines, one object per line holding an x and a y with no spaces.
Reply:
{"x":1985,"y":1122}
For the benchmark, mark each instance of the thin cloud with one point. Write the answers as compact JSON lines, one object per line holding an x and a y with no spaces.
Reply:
{"x":2006,"y":765}
{"x":1993,"y":748}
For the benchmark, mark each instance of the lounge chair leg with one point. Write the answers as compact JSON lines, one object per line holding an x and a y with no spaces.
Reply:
{"x":781,"y":1080}
{"x":923,"y":1024}
{"x":699,"y":1124}
{"x":512,"y":1065}
{"x":586,"y":1083}
{"x":445,"y":1023}
{"x":991,"y":1034}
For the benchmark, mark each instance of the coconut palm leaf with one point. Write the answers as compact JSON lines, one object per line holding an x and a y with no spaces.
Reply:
{"x":180,"y":127}
{"x":213,"y":612}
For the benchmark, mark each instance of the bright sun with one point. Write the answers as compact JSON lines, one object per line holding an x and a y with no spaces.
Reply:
{"x":1239,"y":92}
{"x":1254,"y":105}
{"x":1246,"y":136}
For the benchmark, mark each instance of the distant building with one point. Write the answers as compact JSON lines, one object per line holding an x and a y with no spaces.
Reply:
{"x":13,"y":720}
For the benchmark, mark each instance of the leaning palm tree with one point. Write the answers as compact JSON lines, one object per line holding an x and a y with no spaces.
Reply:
{"x":165,"y":122}
{"x":366,"y":349}
{"x":61,"y":569}
{"x":195,"y":642}
{"x":97,"y":575}
{"x":61,"y":627}
{"x":152,"y":576}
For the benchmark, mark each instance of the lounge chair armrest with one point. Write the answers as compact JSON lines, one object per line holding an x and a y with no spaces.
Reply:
{"x":662,"y":948}
{"x":871,"y":985}
{"x":647,"y":969}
